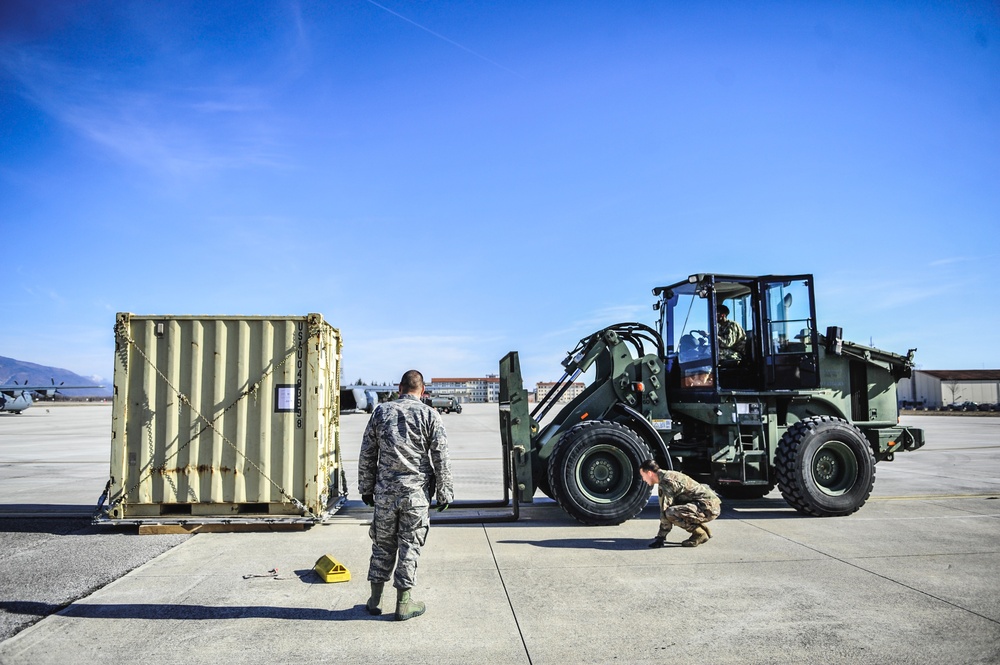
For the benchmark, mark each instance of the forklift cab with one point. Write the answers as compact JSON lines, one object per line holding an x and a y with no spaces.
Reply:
{"x":766,"y":340}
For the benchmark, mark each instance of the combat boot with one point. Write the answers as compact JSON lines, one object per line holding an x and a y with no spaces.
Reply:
{"x":698,"y":536}
{"x":374,"y":603}
{"x":406,"y":607}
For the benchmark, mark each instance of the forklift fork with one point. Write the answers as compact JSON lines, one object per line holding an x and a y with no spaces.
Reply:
{"x":470,"y":512}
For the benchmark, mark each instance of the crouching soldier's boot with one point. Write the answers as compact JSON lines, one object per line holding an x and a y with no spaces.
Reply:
{"x":699,"y":535}
{"x":374,"y":603}
{"x":406,"y":607}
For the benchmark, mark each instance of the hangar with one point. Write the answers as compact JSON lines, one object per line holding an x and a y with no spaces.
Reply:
{"x":945,"y":387}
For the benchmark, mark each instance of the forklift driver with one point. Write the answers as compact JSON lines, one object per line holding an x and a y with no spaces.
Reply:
{"x":732,"y":338}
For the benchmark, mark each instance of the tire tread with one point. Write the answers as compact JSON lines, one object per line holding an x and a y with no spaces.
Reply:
{"x":789,"y":450}
{"x":555,"y":482}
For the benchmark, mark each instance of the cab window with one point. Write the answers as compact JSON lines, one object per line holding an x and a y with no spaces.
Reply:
{"x":789,"y":317}
{"x":790,"y":342}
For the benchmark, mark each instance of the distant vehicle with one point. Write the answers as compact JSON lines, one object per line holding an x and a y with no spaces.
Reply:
{"x":18,"y":398}
{"x":444,"y":403}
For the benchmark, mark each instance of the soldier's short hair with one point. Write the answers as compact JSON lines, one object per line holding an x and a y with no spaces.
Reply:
{"x":412,"y":381}
{"x":650,"y":465}
{"x":722,"y":309}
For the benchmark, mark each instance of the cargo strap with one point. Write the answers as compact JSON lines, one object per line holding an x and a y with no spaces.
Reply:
{"x":121,"y":330}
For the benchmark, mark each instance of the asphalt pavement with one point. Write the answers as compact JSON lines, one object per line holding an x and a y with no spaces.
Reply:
{"x":911,"y":578}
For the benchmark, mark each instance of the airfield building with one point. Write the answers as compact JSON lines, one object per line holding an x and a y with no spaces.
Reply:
{"x":542,"y":388}
{"x":941,"y":388}
{"x":468,"y":390}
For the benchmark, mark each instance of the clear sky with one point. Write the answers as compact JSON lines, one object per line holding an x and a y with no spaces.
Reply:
{"x":449,"y":181}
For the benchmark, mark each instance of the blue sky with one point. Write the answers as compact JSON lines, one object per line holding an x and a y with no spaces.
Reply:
{"x":449,"y":181}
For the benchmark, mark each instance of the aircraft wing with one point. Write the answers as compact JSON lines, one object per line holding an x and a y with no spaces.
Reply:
{"x":16,"y":387}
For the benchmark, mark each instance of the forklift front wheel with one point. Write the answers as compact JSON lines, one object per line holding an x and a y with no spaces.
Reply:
{"x":594,"y":472}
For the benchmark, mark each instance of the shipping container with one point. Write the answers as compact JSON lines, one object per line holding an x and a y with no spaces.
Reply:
{"x":225,"y":417}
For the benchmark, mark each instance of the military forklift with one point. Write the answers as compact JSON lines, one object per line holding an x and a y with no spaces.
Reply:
{"x":809,"y":413}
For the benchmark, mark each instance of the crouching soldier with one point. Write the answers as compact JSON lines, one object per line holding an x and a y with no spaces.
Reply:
{"x":684,"y":502}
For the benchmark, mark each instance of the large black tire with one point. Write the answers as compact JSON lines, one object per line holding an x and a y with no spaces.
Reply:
{"x":543,"y":485}
{"x":594,"y":473}
{"x":825,"y":467}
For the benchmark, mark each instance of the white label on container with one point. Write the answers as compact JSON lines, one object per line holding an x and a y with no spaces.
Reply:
{"x":285,"y":399}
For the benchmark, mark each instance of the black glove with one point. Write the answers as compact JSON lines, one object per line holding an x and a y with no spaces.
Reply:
{"x":657,"y":542}
{"x":368,"y":499}
{"x":442,"y":507}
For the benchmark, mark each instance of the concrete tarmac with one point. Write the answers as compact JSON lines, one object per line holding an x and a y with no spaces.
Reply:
{"x":911,"y":578}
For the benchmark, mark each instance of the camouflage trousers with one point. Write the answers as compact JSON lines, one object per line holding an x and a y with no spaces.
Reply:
{"x":688,"y":516}
{"x":399,"y":528}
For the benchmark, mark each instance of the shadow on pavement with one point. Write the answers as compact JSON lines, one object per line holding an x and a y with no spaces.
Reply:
{"x":46,"y":510}
{"x":57,"y":526}
{"x":545,"y":512}
{"x":589,"y":543}
{"x":29,"y":608}
{"x":309,"y":576}
{"x":760,"y":509}
{"x":211,"y":613}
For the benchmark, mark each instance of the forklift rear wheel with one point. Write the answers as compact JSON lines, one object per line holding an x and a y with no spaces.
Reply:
{"x":594,"y":473}
{"x":825,"y":467}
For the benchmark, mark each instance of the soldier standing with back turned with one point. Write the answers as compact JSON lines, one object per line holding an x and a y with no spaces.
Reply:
{"x":404,"y":452}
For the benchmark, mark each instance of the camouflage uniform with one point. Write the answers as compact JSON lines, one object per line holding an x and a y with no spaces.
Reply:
{"x":732,"y":339}
{"x":403,"y":451}
{"x":685,"y":502}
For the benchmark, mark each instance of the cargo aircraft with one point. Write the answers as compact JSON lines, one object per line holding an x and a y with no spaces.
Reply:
{"x":362,"y":398}
{"x":17,"y":398}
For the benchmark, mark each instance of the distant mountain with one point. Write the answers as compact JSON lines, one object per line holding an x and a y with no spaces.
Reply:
{"x":19,"y":371}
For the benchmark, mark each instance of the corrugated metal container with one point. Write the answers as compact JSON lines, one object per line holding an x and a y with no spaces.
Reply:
{"x":223,"y":416}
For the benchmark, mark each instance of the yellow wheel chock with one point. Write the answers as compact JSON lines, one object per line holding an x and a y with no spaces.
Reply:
{"x":331,"y":570}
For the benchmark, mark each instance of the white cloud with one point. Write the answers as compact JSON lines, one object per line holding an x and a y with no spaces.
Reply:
{"x":949,"y":261}
{"x":176,"y":131}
